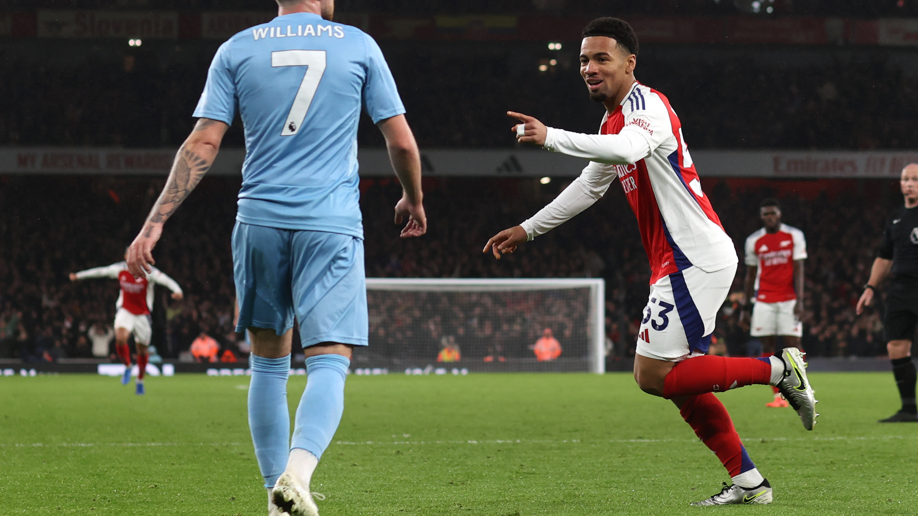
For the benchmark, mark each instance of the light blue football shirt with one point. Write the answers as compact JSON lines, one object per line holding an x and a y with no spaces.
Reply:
{"x":299,"y":82}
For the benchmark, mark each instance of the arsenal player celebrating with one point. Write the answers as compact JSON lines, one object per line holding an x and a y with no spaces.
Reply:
{"x":774,"y":278}
{"x":133,"y":315}
{"x":692,"y":259}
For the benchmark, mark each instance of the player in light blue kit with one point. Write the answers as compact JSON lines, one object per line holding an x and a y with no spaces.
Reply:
{"x":298,"y":82}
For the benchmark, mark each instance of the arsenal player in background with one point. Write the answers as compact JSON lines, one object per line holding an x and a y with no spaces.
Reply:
{"x":133,"y":316}
{"x":774,"y":278}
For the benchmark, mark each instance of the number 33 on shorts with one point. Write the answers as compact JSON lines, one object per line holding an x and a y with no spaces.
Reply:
{"x":681,"y":312}
{"x":656,"y":316}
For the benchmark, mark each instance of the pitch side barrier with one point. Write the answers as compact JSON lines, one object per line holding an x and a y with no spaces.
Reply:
{"x":510,"y":162}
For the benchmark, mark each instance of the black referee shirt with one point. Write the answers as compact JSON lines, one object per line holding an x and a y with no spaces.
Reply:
{"x":900,"y":244}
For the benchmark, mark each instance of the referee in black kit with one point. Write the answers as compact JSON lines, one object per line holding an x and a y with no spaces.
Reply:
{"x":899,"y":254}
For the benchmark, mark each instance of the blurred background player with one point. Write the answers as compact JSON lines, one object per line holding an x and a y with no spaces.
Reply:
{"x":298,"y":239}
{"x":774,"y":278}
{"x":133,"y":312}
{"x":547,"y":348}
{"x":898,"y":255}
{"x":692,"y":258}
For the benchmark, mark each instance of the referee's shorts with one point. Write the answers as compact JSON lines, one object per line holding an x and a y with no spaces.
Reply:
{"x":901,"y":315}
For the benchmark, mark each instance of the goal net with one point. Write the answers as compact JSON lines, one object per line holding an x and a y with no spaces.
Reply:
{"x":453,"y":326}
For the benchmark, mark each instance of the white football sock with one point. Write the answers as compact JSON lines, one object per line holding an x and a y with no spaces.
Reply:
{"x":777,"y":370}
{"x":302,"y":464}
{"x":271,"y":505}
{"x":749,"y":479}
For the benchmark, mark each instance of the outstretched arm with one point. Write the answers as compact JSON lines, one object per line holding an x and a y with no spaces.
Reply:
{"x":109,"y":271}
{"x":192,"y":161}
{"x":159,"y":277}
{"x":641,"y":135}
{"x":406,"y":161}
{"x":588,"y":188}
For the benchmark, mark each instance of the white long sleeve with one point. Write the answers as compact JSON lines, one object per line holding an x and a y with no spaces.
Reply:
{"x":629,"y":146}
{"x":588,"y":188}
{"x":108,"y":271}
{"x":159,"y":277}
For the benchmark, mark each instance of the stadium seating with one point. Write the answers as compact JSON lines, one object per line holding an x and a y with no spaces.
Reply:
{"x":602,"y":242}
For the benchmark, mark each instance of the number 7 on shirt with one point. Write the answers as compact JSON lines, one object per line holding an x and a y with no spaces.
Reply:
{"x":314,"y":61}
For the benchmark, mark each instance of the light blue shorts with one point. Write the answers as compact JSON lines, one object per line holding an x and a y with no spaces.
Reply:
{"x":317,"y":277}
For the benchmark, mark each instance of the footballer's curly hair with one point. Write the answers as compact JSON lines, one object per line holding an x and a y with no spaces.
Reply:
{"x":614,"y":28}
{"x":770,"y":202}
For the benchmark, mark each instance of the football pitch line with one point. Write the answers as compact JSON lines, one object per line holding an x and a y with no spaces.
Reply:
{"x":621,"y":441}
{"x":476,"y":442}
{"x":89,"y":445}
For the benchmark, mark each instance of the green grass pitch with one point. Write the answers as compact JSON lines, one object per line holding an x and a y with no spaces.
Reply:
{"x":489,"y":444}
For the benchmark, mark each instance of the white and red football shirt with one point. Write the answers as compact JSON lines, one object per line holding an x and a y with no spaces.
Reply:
{"x":774,"y":255}
{"x":135,"y":296}
{"x":679,"y":227}
{"x":641,"y":144}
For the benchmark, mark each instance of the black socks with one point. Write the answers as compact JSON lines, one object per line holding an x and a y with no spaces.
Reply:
{"x":906,"y":376}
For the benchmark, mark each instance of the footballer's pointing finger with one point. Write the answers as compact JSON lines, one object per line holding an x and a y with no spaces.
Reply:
{"x":519,"y":116}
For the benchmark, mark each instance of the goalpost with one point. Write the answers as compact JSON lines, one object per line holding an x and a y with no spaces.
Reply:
{"x":442,"y":326}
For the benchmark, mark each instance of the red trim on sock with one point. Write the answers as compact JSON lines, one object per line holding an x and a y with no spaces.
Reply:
{"x":124,"y":352}
{"x":710,"y":373}
{"x":142,"y":361}
{"x":712,"y":424}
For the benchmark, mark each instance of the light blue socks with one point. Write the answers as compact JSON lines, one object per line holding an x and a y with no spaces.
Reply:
{"x":322,"y":404}
{"x":269,"y":416}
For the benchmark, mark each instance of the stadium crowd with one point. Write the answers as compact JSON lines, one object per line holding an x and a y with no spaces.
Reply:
{"x":126,"y":98}
{"x":50,"y":227}
{"x":483,"y":325}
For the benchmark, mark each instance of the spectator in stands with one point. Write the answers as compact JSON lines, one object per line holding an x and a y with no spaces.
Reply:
{"x":45,"y":342}
{"x":56,"y":353}
{"x":449,"y":350}
{"x":155,"y":358}
{"x":228,"y":357}
{"x":9,"y":325}
{"x":794,"y":104}
{"x":547,"y":348}
{"x":204,"y":348}
{"x":101,"y":335}
{"x":81,"y":348}
{"x":24,"y":345}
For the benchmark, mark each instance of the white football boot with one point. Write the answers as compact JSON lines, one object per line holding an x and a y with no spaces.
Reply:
{"x":292,"y":498}
{"x":729,"y":495}
{"x":796,"y":388}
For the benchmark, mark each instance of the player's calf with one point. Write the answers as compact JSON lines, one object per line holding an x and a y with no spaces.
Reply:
{"x":650,"y":374}
{"x":709,"y":373}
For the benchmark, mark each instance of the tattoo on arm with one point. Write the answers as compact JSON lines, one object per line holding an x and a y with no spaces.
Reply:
{"x":187,"y":172}
{"x":204,"y":123}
